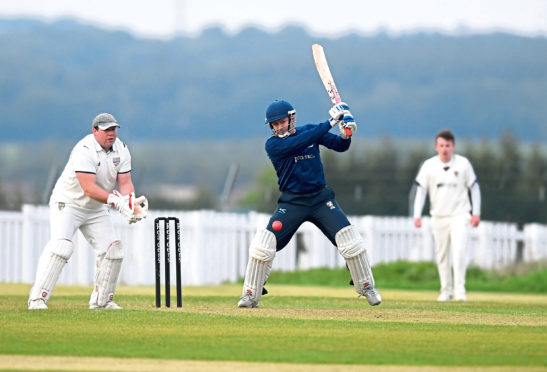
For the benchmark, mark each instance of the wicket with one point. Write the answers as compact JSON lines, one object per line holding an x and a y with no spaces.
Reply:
{"x":167,"y":259}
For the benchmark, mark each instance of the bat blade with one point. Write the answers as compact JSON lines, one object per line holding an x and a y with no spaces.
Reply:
{"x":326,"y":76}
{"x":324,"y":73}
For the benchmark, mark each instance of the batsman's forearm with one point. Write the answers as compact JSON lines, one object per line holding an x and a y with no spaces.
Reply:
{"x":280,"y":147}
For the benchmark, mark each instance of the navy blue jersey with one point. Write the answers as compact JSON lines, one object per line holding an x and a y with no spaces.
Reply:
{"x":297,"y":160}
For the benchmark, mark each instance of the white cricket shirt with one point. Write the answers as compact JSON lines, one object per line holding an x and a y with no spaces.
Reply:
{"x":89,"y":157}
{"x":447,"y":185}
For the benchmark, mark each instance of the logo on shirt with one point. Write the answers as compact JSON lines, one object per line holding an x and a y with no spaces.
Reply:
{"x":282,"y":210}
{"x":451,"y":185}
{"x":60,"y":206}
{"x":330,"y":205}
{"x":303,"y":157}
{"x":116,"y":161}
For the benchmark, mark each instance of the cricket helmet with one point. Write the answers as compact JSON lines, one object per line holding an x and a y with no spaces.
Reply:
{"x":280,"y":109}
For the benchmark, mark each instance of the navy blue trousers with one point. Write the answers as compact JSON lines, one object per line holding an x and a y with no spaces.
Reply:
{"x":319,"y":208}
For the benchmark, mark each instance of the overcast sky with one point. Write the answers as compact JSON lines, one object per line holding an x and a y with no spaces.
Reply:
{"x":163,"y":18}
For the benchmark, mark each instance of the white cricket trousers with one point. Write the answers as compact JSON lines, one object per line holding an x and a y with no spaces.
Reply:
{"x":451,"y":236}
{"x":96,"y":225}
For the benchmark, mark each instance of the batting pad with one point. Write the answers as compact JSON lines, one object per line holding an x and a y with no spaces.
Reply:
{"x":261,"y":255}
{"x":50,"y":265}
{"x":263,"y":246}
{"x":349,"y":242}
{"x":108,"y":272}
{"x":352,"y":248}
{"x":255,"y":277}
{"x":361,"y":273}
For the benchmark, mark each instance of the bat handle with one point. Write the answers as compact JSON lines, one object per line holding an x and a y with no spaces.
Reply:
{"x":348,"y":132}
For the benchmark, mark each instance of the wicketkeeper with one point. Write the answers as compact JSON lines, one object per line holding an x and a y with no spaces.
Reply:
{"x":80,"y":200}
{"x":294,"y":152}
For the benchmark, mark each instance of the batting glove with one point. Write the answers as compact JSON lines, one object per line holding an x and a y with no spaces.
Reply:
{"x":347,"y":122}
{"x":337,"y":112}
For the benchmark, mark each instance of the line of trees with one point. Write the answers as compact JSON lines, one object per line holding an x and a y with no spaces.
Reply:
{"x":377,"y":178}
{"x":374,"y":177}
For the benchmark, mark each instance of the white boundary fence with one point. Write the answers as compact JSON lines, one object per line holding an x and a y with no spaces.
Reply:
{"x":215,"y":246}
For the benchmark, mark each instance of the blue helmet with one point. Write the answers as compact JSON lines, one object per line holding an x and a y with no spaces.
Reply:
{"x":280,"y":109}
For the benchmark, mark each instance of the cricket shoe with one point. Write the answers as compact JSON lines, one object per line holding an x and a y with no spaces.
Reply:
{"x":109,"y":305}
{"x":444,"y":297}
{"x":38,"y":304}
{"x":460,"y":297}
{"x":372,"y":295}
{"x":247,"y":300}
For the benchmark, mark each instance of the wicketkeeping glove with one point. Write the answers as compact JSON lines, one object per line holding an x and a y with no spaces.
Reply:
{"x":125,"y":204}
{"x":141,"y":208}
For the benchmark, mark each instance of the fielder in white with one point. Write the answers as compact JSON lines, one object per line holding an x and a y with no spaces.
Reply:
{"x":80,"y":200}
{"x":449,"y":178}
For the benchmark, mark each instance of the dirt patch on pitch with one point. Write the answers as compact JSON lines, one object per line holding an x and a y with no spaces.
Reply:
{"x":383,"y":315}
{"x":452,"y":312}
{"x":60,"y":363}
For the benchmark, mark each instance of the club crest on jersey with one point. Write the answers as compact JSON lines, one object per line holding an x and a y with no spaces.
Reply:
{"x":60,"y":206}
{"x":330,"y":205}
{"x":116,"y":161}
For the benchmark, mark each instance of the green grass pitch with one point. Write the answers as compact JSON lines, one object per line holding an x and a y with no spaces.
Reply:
{"x":305,"y":327}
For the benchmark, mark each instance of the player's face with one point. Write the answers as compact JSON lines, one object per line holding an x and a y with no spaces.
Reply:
{"x":106,"y":138}
{"x":444,"y":148}
{"x":281,"y":126}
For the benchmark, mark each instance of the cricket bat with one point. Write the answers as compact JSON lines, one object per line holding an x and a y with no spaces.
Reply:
{"x":326,"y":76}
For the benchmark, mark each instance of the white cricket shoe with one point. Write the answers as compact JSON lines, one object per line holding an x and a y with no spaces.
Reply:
{"x":247,"y":301}
{"x":444,"y":297}
{"x":373,"y":296}
{"x":38,"y":304}
{"x":109,"y":305}
{"x":460,"y":297}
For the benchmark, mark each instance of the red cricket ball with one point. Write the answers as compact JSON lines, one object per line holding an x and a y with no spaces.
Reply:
{"x":277,"y":225}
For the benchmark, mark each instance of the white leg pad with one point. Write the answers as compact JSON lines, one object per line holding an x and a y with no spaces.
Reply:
{"x":263,"y":246}
{"x":108,"y":271}
{"x":349,"y":242}
{"x":261,"y":255}
{"x":55,"y":256}
{"x":359,"y":267}
{"x":352,"y":248}
{"x":255,"y":277}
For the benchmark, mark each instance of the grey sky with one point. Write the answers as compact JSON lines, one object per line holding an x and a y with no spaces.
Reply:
{"x":163,"y":18}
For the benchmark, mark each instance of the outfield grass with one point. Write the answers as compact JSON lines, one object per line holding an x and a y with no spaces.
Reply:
{"x":521,"y":278}
{"x":295,"y":326}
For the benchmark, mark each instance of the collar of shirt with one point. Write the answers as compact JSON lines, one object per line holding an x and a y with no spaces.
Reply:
{"x":99,"y":148}
{"x":448,"y":164}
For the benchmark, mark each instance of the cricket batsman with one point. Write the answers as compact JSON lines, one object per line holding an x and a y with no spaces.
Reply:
{"x":81,"y":199}
{"x":294,"y":153}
